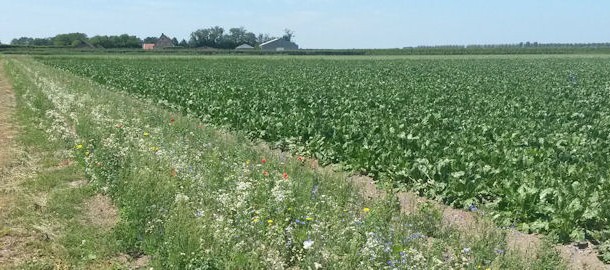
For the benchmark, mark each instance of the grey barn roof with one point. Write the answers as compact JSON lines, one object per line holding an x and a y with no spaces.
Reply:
{"x":268,"y":42}
{"x":279,"y":44}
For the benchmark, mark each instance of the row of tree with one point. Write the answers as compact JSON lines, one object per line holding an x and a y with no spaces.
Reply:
{"x":213,"y":37}
{"x":79,"y":39}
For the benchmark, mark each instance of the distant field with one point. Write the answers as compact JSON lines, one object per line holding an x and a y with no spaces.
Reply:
{"x":526,"y":137}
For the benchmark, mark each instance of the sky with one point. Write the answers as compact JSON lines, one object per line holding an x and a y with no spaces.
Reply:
{"x":319,"y":24}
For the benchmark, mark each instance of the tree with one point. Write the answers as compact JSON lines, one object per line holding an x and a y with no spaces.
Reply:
{"x":101,"y":41}
{"x":175,"y":41}
{"x":28,"y":41}
{"x":68,"y":39}
{"x":122,"y":41}
{"x":288,"y":34}
{"x":250,"y":39}
{"x":23,"y":41}
{"x":183,"y":43}
{"x":151,"y":40}
{"x":208,"y":37}
{"x":238,"y":36}
{"x":216,"y":34}
{"x":262,"y":38}
{"x":42,"y":42}
{"x":200,"y":38}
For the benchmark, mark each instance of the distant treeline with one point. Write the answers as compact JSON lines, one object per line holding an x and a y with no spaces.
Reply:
{"x":37,"y":50}
{"x":518,"y":45}
{"x":81,"y":40}
{"x":212,"y":37}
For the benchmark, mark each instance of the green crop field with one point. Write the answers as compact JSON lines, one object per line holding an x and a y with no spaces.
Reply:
{"x":527,"y":138}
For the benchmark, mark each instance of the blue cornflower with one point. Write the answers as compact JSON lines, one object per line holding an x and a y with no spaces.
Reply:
{"x":415,"y":236}
{"x":314,"y":190}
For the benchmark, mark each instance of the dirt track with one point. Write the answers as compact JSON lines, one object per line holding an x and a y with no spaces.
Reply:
{"x":11,"y":239}
{"x":7,"y":112}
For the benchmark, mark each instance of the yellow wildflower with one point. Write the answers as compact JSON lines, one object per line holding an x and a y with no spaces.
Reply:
{"x":270,"y":221}
{"x":146,"y":134}
{"x":79,"y":146}
{"x":366,"y":210}
{"x":309,"y":218}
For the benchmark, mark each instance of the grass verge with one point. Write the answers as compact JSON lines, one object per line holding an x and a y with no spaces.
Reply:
{"x":45,"y":222}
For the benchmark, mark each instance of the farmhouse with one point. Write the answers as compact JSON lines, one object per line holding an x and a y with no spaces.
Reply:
{"x":164,"y":42}
{"x":279,"y":44}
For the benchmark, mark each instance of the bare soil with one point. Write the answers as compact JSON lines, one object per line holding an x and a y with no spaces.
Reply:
{"x":100,"y":212}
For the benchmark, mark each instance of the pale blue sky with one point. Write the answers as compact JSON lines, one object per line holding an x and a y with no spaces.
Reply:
{"x":322,"y":23}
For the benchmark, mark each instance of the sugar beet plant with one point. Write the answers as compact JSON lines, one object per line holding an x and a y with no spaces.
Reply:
{"x":527,"y":137}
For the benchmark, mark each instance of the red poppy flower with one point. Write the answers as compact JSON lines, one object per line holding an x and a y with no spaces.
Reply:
{"x":263,"y":161}
{"x":285,"y":176}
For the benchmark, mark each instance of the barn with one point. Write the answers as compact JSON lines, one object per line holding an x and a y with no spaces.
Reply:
{"x":279,"y":44}
{"x":164,"y":42}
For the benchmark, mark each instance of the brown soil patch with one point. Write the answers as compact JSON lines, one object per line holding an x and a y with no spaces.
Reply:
{"x":141,"y":262}
{"x":581,"y":258}
{"x":367,"y":187}
{"x":122,"y":261}
{"x":525,"y":244}
{"x":14,"y":243}
{"x":100,"y":212}
{"x":65,"y":163}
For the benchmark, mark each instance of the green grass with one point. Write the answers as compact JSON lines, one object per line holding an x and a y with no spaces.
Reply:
{"x":191,"y":196}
